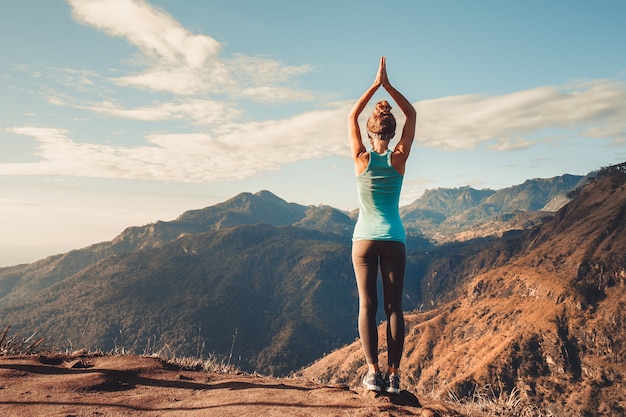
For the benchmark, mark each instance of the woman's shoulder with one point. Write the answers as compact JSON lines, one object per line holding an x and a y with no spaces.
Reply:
{"x":398,"y":161}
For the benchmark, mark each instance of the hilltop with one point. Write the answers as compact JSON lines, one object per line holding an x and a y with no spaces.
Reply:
{"x":43,"y":386}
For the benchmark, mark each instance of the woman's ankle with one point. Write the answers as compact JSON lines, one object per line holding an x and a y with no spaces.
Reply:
{"x":373,"y":367}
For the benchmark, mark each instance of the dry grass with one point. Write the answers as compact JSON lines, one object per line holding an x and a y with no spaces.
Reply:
{"x":210,"y":363}
{"x":486,"y":402}
{"x":16,"y":344}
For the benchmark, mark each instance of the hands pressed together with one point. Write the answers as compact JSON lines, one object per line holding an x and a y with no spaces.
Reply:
{"x":408,"y":130}
{"x":381,"y":75}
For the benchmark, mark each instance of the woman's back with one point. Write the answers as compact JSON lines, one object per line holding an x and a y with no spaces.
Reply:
{"x":378,"y":190}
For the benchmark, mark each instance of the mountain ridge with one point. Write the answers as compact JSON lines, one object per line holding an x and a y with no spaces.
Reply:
{"x":245,"y":208}
{"x":445,"y":215}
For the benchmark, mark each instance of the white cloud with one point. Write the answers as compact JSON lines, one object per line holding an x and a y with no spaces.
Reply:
{"x":239,"y":151}
{"x":178,"y":60}
{"x":510,"y":144}
{"x":594,"y":109}
{"x":181,"y":62}
{"x":201,"y":112}
{"x":153,"y":31}
{"x":262,"y":79}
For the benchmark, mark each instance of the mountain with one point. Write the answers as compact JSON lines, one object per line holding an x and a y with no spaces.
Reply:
{"x":445,"y":215}
{"x":439,"y":215}
{"x":23,"y":281}
{"x":246,"y":208}
{"x":539,"y":314}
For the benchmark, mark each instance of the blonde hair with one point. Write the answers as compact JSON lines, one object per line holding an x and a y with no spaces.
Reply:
{"x":381,"y":124}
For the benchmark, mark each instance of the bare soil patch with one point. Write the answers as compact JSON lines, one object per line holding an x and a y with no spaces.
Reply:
{"x":40,"y":385}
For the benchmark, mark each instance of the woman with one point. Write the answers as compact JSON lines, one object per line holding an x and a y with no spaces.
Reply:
{"x":379,"y":236}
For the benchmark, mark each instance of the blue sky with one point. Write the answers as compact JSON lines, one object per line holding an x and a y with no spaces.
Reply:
{"x":119,"y":113}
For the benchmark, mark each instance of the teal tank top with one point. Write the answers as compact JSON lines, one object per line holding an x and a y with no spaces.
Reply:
{"x":378,"y":190}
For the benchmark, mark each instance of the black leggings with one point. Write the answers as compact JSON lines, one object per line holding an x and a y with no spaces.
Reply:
{"x":366,"y":257}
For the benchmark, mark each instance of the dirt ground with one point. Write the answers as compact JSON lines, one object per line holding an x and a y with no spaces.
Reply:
{"x":141,"y":386}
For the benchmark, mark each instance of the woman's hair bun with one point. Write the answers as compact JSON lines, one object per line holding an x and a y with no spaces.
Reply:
{"x":382,"y":122}
{"x":382,"y":107}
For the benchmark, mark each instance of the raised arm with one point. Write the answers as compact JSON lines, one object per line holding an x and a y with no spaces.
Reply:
{"x":403,"y":147}
{"x":354,"y":134}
